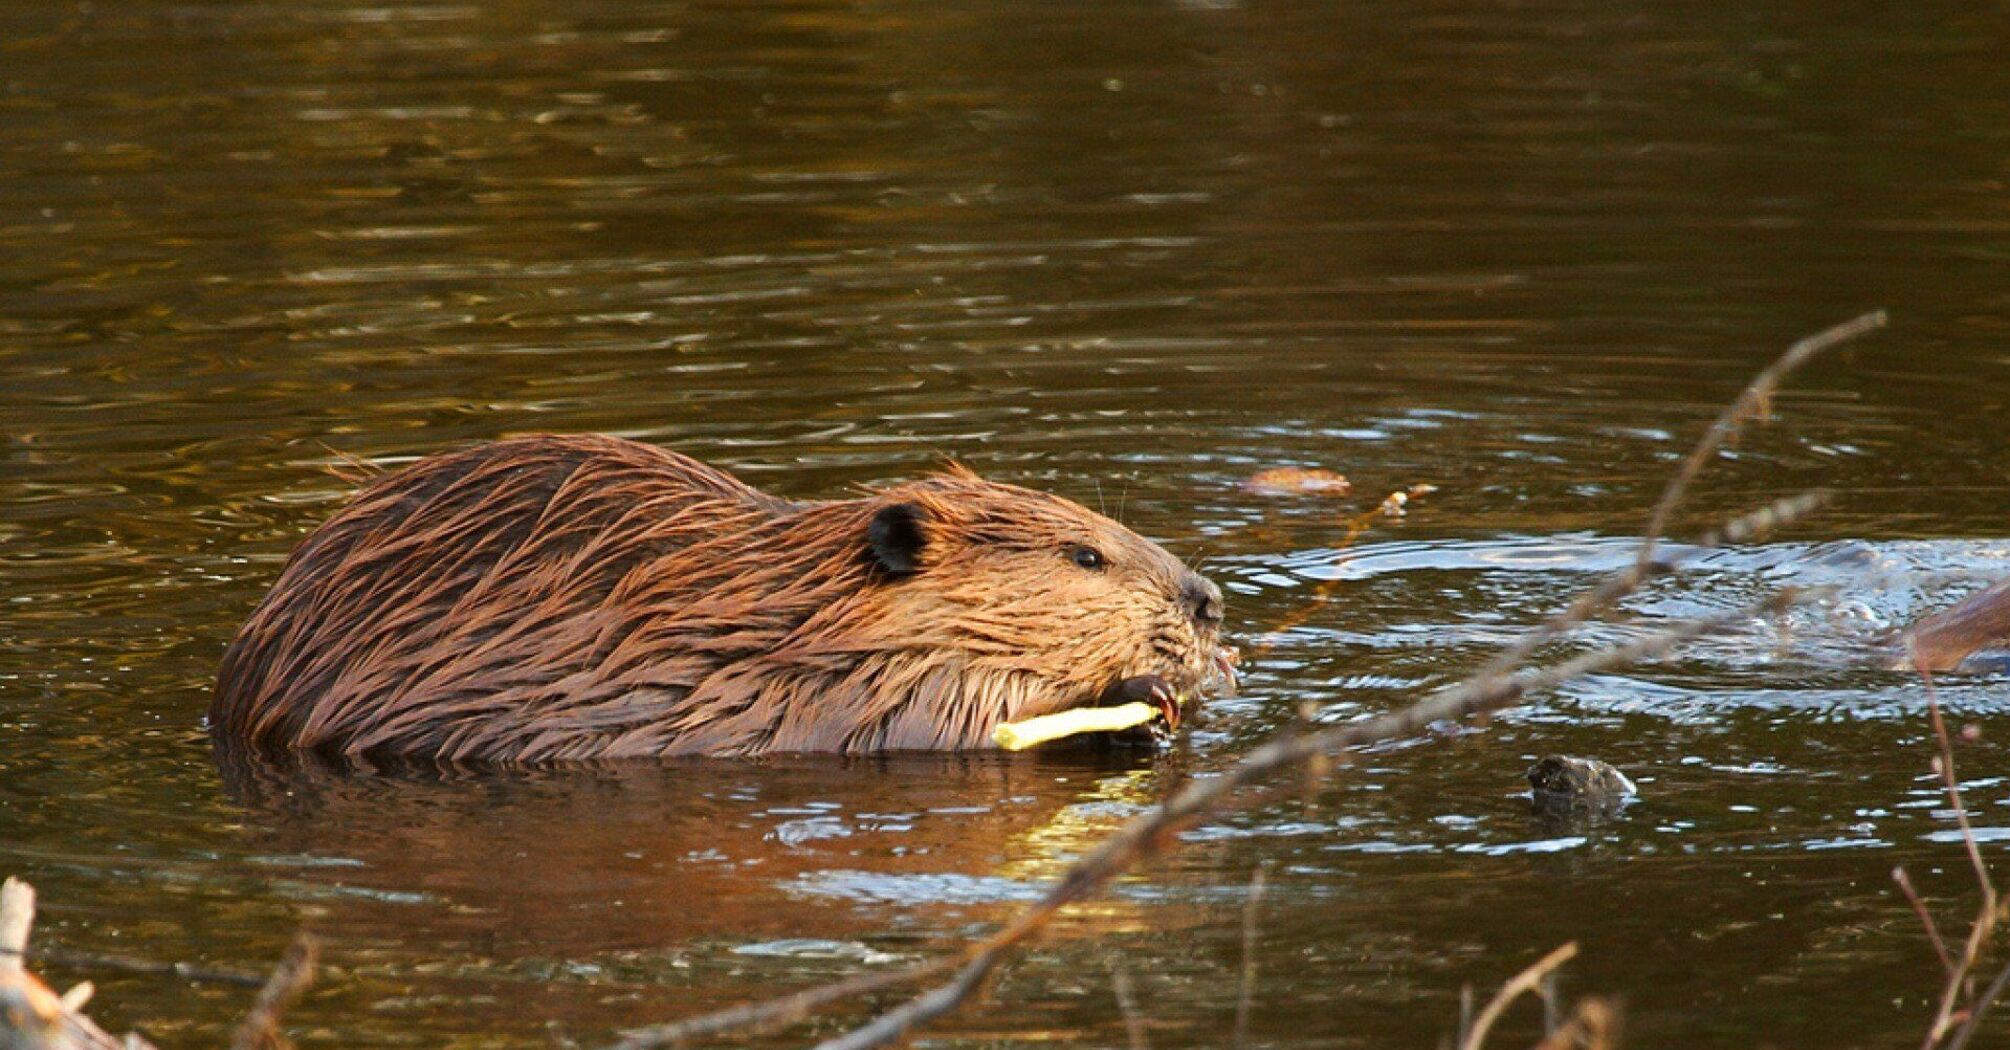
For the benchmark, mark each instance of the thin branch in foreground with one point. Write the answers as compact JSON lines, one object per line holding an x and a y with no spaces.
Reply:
{"x":1751,"y":402}
{"x":1246,"y":996}
{"x":894,"y":1024}
{"x":1980,"y":1009}
{"x":1552,"y":1011}
{"x":17,"y":917}
{"x":1127,"y":1004}
{"x":32,"y":1017}
{"x":1945,"y":767}
{"x":1758,"y":393}
{"x":1523,"y":983}
{"x":1912,"y":897}
{"x":260,"y":1028}
{"x":1394,"y":505}
{"x":1951,"y":1010}
{"x":349,"y":468}
{"x":776,"y":1013}
{"x":1500,"y":684}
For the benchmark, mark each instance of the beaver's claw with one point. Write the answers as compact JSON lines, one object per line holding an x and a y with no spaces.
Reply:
{"x":1149,"y":689}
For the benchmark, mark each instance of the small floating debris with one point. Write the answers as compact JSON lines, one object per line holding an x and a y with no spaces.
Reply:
{"x":1297,"y":481}
{"x":1569,"y":784}
{"x":1396,"y":504}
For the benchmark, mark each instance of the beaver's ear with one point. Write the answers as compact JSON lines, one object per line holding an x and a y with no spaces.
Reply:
{"x":896,"y":538}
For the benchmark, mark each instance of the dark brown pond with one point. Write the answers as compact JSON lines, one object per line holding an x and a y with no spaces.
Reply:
{"x":1129,"y":252}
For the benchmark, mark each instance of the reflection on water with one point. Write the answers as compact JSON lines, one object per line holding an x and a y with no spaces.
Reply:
{"x":663,"y":837}
{"x":1129,"y":252}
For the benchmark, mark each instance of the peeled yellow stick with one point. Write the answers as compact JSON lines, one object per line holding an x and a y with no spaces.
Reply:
{"x":1018,"y":736}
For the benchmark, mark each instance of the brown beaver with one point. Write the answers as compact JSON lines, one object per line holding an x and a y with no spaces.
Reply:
{"x":590,"y":597}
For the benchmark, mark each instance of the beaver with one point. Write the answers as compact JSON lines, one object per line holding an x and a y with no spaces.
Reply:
{"x":573,"y":597}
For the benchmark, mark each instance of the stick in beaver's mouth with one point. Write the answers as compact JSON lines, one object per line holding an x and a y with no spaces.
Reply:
{"x":1018,"y":736}
{"x":1146,"y":700}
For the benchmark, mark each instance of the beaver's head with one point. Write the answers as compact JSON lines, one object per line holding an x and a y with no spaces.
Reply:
{"x":1031,"y":602}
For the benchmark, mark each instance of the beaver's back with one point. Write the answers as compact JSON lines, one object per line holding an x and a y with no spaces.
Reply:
{"x":420,"y":584}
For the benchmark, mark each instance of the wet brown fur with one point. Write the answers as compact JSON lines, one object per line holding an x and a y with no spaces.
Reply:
{"x":1941,"y":642}
{"x":576,"y":597}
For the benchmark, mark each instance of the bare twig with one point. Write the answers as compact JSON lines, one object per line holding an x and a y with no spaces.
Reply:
{"x":1757,"y":523}
{"x":17,"y":917}
{"x":1251,"y":912}
{"x":1904,"y":881}
{"x":1951,"y":1010}
{"x":1519,"y":985}
{"x":1751,"y":402}
{"x":1756,"y":394}
{"x":1394,"y":505}
{"x":353,"y":470}
{"x":260,"y":1028}
{"x":1127,"y":1004}
{"x":1980,"y":1009}
{"x":32,"y":1017}
{"x":896,"y":1023}
{"x":775,"y":1013}
{"x":1953,"y":783}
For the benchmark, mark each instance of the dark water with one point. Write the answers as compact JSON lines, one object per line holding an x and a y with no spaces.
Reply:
{"x":1128,"y":252}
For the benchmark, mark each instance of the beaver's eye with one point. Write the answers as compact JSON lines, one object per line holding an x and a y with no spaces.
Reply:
{"x":1086,"y":557}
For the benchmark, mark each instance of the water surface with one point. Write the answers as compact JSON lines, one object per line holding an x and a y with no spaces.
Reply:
{"x":1128,"y":252}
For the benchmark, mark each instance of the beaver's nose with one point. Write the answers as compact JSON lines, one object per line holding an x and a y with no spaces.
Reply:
{"x":1202,"y":600}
